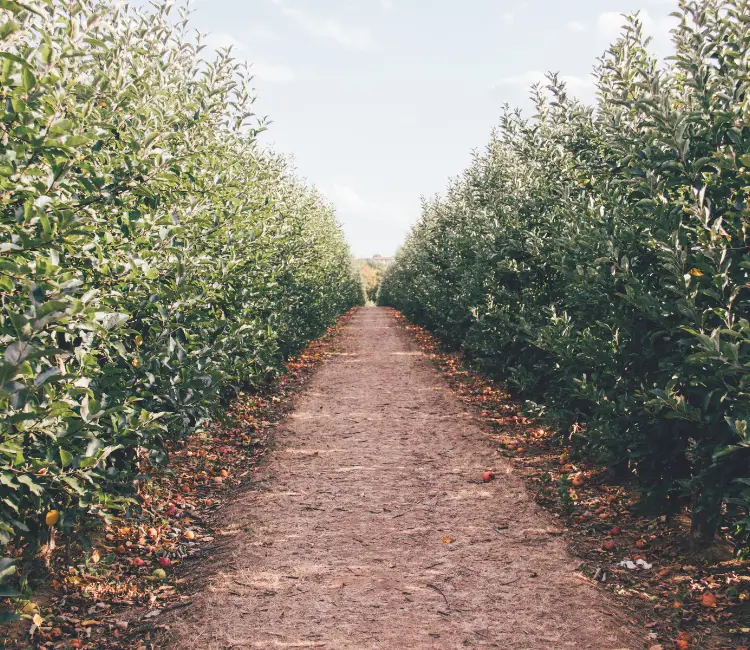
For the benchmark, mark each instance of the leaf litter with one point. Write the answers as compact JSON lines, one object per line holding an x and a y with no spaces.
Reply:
{"x":683,"y":597}
{"x":109,"y":594}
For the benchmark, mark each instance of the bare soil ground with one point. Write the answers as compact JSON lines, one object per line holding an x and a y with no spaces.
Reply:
{"x":370,"y":527}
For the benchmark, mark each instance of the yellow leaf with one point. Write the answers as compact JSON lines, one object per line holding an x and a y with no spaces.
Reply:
{"x":91,"y":622}
{"x":38,"y":620}
{"x":448,"y":540}
{"x":696,"y":273}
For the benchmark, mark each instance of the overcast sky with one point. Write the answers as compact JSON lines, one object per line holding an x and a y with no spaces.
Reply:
{"x":382,"y":101}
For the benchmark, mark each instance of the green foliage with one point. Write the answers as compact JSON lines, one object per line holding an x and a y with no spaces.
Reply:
{"x":153,"y":258}
{"x":563,"y":494}
{"x":598,"y":258}
{"x":371,"y":273}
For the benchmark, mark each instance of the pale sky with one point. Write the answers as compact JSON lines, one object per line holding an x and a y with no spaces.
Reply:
{"x":382,"y":101}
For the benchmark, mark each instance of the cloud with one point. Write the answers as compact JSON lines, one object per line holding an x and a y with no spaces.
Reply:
{"x":261,"y":33}
{"x":371,"y":226}
{"x":351,"y":203}
{"x":346,"y":198}
{"x":609,"y":27}
{"x":575,"y":26}
{"x":508,"y":18}
{"x":610,"y":23}
{"x":349,"y":37}
{"x":531,"y":77}
{"x":386,"y":4}
{"x":271,"y":72}
{"x":222,"y":40}
{"x":524,"y":79}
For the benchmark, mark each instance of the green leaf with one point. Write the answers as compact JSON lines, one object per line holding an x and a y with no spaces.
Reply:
{"x":17,"y":59}
{"x":74,"y":484}
{"x":28,"y":79}
{"x":66,"y":458}
{"x":26,"y":480}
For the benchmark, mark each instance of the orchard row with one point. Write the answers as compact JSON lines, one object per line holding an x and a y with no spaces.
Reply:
{"x":598,"y":258}
{"x":154,"y":259}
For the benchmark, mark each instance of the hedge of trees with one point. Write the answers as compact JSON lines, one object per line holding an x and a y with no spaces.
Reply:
{"x":598,"y":259}
{"x":154,"y":259}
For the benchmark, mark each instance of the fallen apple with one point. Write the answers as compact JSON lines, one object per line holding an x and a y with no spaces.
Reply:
{"x":616,"y":530}
{"x":138,"y":561}
{"x":708,"y":600}
{"x":683,"y":641}
{"x":159,"y":574}
{"x":165,"y":562}
{"x":488,"y":476}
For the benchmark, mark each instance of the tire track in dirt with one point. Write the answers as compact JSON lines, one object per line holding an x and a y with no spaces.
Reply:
{"x":346,"y":542}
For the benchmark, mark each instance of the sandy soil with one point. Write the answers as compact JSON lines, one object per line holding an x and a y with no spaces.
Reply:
{"x":371,"y":527}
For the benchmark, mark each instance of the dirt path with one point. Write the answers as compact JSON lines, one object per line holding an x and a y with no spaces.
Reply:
{"x":346,"y":543}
